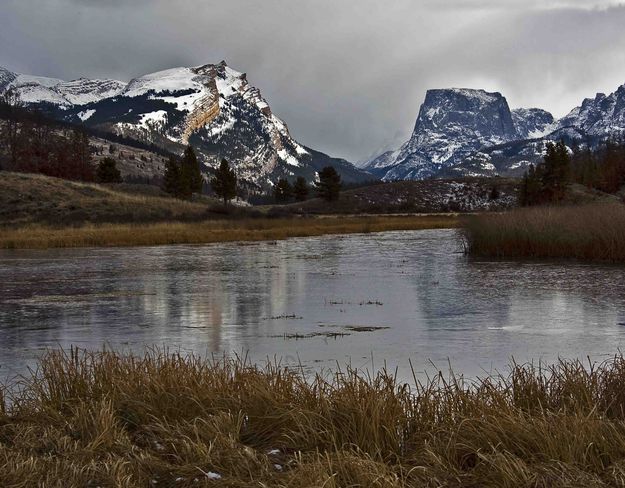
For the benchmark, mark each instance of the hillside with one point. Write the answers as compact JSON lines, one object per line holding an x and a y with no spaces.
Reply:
{"x":31,"y":198}
{"x":455,"y":195}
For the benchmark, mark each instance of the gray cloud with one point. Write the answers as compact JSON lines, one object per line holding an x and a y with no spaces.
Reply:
{"x":348,"y":77}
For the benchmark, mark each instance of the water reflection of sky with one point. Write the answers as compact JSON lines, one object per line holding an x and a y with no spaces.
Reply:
{"x":437,"y":305}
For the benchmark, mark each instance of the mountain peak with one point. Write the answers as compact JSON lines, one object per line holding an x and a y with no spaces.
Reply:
{"x":212,"y":107}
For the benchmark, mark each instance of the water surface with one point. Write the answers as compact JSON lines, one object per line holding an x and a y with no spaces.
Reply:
{"x":319,"y":302}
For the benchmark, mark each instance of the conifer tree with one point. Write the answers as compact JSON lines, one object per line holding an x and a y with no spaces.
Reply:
{"x":556,"y":171}
{"x":107,"y":172}
{"x":283,"y":191}
{"x":171,"y":179}
{"x":300,"y":189}
{"x":190,"y":174}
{"x":329,"y":185}
{"x":224,"y":183}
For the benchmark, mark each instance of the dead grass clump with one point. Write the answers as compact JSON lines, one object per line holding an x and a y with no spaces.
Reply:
{"x":589,"y":232}
{"x":104,"y":419}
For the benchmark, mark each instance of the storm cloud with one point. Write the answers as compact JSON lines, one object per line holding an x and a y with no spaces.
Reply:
{"x":347,"y":76}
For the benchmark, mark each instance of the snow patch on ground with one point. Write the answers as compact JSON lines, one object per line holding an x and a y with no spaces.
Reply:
{"x":183,"y":103}
{"x":230,"y":83}
{"x":284,"y":155}
{"x":174,"y":79}
{"x":153,"y":119}
{"x":86,"y":114}
{"x":215,"y":129}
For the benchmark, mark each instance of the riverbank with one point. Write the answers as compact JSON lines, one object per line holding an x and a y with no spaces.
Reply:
{"x":101,"y":419}
{"x":593,"y":232}
{"x":257,"y":229}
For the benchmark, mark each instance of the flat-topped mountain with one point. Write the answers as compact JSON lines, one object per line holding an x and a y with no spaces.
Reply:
{"x":451,"y":124}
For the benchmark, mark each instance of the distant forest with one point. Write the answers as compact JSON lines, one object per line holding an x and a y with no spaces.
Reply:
{"x":602,"y":169}
{"x":31,"y":142}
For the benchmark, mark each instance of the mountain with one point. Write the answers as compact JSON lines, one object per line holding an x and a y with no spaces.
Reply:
{"x":452,"y":124}
{"x":532,"y":123}
{"x":463,"y":132}
{"x":600,"y":116}
{"x":211,"y":107}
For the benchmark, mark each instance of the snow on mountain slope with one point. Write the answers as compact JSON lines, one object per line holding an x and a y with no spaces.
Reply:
{"x":532,"y":123}
{"x":452,"y":123}
{"x":212,"y":107}
{"x":461,"y":132}
{"x":39,"y":89}
{"x":602,"y":116}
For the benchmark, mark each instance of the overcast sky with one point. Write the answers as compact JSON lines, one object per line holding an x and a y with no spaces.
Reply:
{"x":348,"y":76}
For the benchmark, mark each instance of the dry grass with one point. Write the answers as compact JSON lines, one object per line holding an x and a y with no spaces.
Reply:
{"x":258,"y":229}
{"x":589,"y":232}
{"x":101,"y":419}
{"x":27,"y":199}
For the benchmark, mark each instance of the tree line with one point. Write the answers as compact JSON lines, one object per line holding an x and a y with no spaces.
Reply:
{"x":32,"y":143}
{"x":602,"y":169}
{"x":328,"y":187}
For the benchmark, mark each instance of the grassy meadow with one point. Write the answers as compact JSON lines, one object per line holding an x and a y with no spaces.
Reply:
{"x":594,"y":232}
{"x":103,"y":419}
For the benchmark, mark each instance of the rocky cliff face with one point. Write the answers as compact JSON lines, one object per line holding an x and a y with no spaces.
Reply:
{"x":451,"y":124}
{"x":212,"y":107}
{"x":532,"y":123}
{"x":474,"y":133}
{"x":602,"y":116}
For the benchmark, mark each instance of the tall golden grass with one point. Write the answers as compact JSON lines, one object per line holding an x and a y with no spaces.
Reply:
{"x":103,"y":419}
{"x":588,"y":232}
{"x":257,"y":229}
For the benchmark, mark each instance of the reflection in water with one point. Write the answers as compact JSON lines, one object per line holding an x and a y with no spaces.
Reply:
{"x":243,"y":298}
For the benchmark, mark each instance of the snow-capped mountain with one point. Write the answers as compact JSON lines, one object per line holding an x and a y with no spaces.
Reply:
{"x":38,"y":89}
{"x":532,"y":123}
{"x":452,"y":124}
{"x":212,"y":107}
{"x":462,"y":132}
{"x":600,"y":116}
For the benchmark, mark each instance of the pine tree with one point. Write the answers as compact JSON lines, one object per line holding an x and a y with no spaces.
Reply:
{"x":80,"y":157}
{"x":224,"y":183}
{"x":190,"y":174}
{"x":171,"y":179}
{"x":107,"y":171}
{"x":556,"y":171}
{"x":329,"y":185}
{"x":300,"y":189}
{"x":283,"y":191}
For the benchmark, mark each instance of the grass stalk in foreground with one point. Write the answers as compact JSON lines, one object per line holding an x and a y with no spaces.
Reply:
{"x":103,"y":419}
{"x":589,"y":232}
{"x":211,"y":231}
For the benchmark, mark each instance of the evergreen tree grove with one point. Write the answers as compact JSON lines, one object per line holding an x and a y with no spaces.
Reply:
{"x":547,"y":182}
{"x":183,"y":178}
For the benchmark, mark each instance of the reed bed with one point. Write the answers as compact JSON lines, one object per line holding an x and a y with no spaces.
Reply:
{"x":258,"y":229}
{"x":588,"y":232}
{"x":104,"y":419}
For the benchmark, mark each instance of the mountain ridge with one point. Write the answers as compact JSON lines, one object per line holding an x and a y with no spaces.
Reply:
{"x":495,"y":148}
{"x":212,"y":107}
